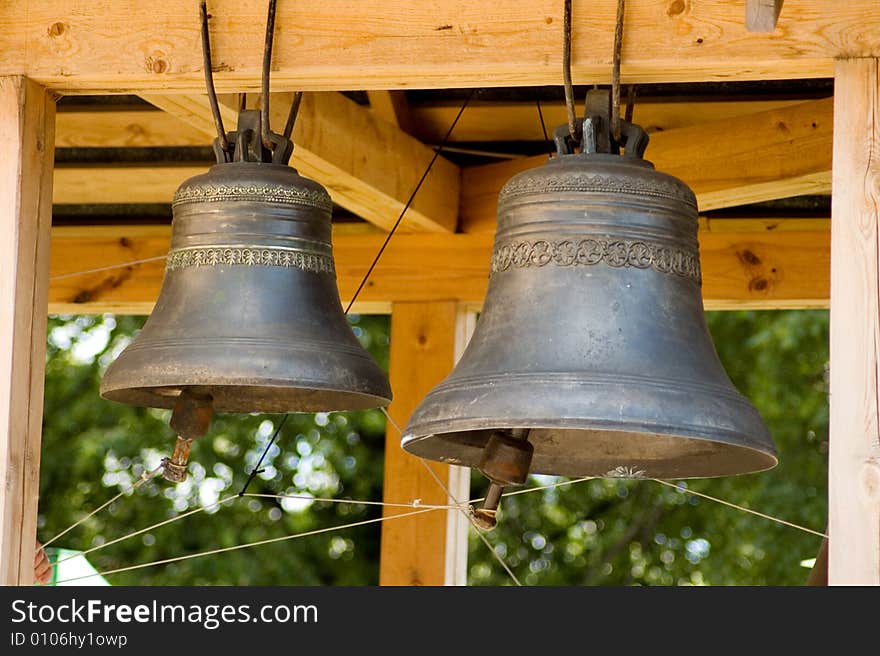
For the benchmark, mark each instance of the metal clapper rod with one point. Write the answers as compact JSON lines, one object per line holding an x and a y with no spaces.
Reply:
{"x":190,"y":418}
{"x":506,"y":459}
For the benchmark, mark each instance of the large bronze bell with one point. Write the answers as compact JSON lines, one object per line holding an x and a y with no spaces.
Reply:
{"x":592,"y":356}
{"x":249,"y":317}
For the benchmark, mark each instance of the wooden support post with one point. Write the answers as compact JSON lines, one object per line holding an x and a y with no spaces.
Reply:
{"x":27,"y":126}
{"x":425,"y":549}
{"x":761,"y":15}
{"x":854,"y":458}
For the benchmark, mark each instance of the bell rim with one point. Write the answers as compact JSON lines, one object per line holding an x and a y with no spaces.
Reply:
{"x":763,"y":456}
{"x":149,"y":397}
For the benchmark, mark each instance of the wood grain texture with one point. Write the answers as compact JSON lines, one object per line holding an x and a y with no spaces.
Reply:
{"x":124,"y":129}
{"x":393,"y":107}
{"x":747,"y":263}
{"x":27,"y":120}
{"x":369,"y":166}
{"x":854,"y":453}
{"x":114,"y":183}
{"x":487,"y":121}
{"x":762,"y":15}
{"x":413,"y":550}
{"x":123,"y":46}
{"x":773,"y":154}
{"x":519,"y":121}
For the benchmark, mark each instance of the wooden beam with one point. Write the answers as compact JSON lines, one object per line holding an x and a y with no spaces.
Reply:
{"x":127,"y":46}
{"x":774,"y":154}
{"x":27,"y":121}
{"x":368,"y":165}
{"x":761,"y":15}
{"x":96,"y":184}
{"x":519,"y":121}
{"x":423,"y":349}
{"x":124,"y":129}
{"x":748,"y":263}
{"x":854,"y":455}
{"x":727,"y":162}
{"x":486,"y":121}
{"x":391,"y":106}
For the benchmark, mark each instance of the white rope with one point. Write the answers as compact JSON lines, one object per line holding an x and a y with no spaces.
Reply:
{"x":246,"y":545}
{"x":170,"y":520}
{"x":109,"y":267}
{"x":461,"y":507}
{"x":745,"y":510}
{"x":146,"y":476}
{"x":415,"y":503}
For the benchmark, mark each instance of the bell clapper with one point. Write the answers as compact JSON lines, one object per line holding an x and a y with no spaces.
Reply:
{"x":190,"y":418}
{"x":505,"y":461}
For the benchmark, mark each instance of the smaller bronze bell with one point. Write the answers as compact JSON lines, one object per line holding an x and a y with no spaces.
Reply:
{"x":249,"y":317}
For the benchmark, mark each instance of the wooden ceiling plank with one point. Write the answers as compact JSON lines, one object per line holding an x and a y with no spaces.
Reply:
{"x":368,"y":165}
{"x":519,"y":121}
{"x":749,"y":263}
{"x":127,"y":46}
{"x":758,"y":157}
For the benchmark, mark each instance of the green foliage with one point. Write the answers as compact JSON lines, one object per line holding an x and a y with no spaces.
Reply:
{"x":93,"y":449}
{"x":606,"y":532}
{"x":598,"y":532}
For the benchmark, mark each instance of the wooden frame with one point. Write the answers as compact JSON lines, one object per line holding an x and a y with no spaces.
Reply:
{"x":126,"y":46}
{"x":27,"y":123}
{"x":854,"y":456}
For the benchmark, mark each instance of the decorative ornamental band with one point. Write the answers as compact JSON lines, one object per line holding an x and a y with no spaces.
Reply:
{"x":587,"y":252}
{"x":279,"y":194}
{"x":656,"y":187}
{"x":286,"y":258}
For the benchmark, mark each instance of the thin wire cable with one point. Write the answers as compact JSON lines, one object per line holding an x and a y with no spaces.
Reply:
{"x":566,"y":72}
{"x":547,"y":141}
{"x":416,"y":503}
{"x":209,"y":78}
{"x":467,"y":513}
{"x":294,"y":112}
{"x":267,"y":67}
{"x":109,"y":267}
{"x":631,"y":92}
{"x":413,"y":504}
{"x":538,"y":488}
{"x":409,"y":201}
{"x":615,"y":72}
{"x":151,"y":527}
{"x":247,"y":545}
{"x":745,"y":510}
{"x":146,"y":476}
{"x":256,"y":470}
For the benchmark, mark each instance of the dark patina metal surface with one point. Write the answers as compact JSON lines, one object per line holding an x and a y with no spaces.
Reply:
{"x":249,"y":313}
{"x":593,"y":337}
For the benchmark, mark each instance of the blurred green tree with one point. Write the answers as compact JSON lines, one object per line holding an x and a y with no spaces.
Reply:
{"x":616,"y":532}
{"x":598,"y":532}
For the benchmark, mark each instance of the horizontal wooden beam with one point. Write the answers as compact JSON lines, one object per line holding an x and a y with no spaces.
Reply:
{"x":773,"y":154}
{"x":368,"y":165}
{"x":128,"y":46}
{"x":124,"y":129}
{"x":519,"y":121}
{"x":747,"y":263}
{"x":482,"y":121}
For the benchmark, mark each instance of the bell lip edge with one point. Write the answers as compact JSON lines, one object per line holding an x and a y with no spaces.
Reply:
{"x":380,"y":401}
{"x":411,"y":435}
{"x":764,"y":461}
